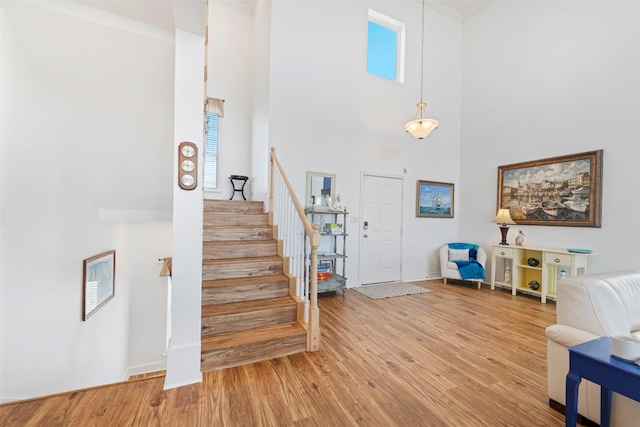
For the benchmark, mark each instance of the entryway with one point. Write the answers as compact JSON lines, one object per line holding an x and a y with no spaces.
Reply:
{"x":381,"y":229}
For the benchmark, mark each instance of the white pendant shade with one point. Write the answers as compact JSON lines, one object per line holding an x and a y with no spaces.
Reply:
{"x":421,"y":126}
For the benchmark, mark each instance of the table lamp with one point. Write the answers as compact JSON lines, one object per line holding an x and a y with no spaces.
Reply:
{"x":503,"y":218}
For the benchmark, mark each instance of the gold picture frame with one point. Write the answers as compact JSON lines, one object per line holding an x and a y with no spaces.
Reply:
{"x":563,"y":190}
{"x":434,"y":199}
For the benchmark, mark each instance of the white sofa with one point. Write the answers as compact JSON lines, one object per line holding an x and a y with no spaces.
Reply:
{"x":449,"y":269}
{"x":589,"y":307}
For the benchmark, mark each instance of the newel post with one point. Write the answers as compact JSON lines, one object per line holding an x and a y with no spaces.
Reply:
{"x":314,"y":313}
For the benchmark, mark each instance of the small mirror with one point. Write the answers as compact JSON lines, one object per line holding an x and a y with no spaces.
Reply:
{"x":319,"y":186}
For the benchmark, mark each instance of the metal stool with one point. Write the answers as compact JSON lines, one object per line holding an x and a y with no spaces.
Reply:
{"x":242,"y":178}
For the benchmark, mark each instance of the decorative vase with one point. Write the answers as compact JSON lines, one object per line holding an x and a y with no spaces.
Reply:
{"x":563,"y":273}
{"x":520,"y":238}
{"x":533,"y":262}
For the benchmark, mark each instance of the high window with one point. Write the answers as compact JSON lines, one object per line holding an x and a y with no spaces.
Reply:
{"x":385,"y":47}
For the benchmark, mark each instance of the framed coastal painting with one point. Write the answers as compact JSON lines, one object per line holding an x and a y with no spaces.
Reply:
{"x":98,"y":282}
{"x":434,"y":199}
{"x":564,"y":190}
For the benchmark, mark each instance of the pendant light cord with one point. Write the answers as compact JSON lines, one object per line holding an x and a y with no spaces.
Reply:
{"x":422,"y":58}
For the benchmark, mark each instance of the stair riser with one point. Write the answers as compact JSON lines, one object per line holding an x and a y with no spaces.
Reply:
{"x":226,"y":220}
{"x":233,"y":270}
{"x":241,"y":355}
{"x":222,"y":234}
{"x":253,"y":249}
{"x":233,"y":206}
{"x":242,"y":321}
{"x":244,"y":293}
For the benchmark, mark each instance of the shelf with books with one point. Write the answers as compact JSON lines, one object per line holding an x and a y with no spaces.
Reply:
{"x":332,"y":256}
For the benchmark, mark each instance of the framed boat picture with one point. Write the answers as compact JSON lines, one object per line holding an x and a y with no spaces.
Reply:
{"x":564,"y":190}
{"x":434,"y":199}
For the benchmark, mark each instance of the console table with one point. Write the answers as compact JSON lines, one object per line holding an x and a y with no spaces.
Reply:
{"x":546,"y":272}
{"x":592,"y":361}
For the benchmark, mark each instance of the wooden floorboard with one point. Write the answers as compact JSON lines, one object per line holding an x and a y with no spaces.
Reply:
{"x":456,"y":356}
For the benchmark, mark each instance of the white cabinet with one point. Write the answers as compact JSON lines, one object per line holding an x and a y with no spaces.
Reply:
{"x":332,"y":254}
{"x":534,"y":270}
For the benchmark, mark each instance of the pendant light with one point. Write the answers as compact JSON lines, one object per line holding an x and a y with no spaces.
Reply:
{"x":421,"y":126}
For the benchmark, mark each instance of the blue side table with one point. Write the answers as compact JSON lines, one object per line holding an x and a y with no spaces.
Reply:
{"x":592,"y":361}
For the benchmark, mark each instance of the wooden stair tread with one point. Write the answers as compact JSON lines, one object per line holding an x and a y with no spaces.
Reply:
{"x":253,"y":280}
{"x":238,"y":242}
{"x":246,"y":306}
{"x":234,"y":214}
{"x":225,"y":204}
{"x":241,"y":260}
{"x":252,"y":336}
{"x":231,"y":227}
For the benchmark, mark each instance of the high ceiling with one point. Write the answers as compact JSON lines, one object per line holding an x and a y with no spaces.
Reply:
{"x":165,"y":13}
{"x":459,"y":10}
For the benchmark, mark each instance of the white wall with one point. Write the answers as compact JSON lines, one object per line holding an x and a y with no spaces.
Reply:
{"x":3,"y":76}
{"x":150,"y":242}
{"x":230,"y":78}
{"x":261,"y":80}
{"x":544,"y":79}
{"x":85,"y":134}
{"x":327,"y":114}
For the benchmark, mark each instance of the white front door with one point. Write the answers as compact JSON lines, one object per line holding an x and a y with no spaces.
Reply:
{"x":381,"y":229}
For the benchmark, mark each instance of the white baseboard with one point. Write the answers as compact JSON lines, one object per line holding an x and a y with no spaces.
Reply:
{"x":183,"y":366}
{"x":143,"y":369}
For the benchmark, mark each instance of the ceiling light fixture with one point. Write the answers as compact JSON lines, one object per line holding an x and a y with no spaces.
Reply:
{"x":421,"y":126}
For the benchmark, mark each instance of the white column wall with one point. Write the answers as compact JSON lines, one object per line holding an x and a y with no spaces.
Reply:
{"x":544,"y":79}
{"x":183,"y":357}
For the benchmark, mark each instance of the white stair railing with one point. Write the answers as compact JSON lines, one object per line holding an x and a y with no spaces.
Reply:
{"x":288,"y":216}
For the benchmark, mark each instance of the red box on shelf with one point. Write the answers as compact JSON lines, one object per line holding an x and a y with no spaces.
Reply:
{"x":324,"y":272}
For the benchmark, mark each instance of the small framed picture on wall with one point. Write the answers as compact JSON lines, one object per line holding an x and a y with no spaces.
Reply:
{"x":434,"y":199}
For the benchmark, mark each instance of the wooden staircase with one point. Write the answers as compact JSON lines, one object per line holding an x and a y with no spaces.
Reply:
{"x":248,"y":314}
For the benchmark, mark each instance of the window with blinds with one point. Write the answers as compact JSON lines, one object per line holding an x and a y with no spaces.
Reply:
{"x":211,"y":152}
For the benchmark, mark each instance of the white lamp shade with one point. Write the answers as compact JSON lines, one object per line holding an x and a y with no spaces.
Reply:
{"x":421,"y":128}
{"x":503,"y":217}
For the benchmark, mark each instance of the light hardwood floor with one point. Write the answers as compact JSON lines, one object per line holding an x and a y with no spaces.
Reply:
{"x":456,"y":356}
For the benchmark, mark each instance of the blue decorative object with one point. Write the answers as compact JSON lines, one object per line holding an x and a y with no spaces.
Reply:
{"x":563,"y":273}
{"x":470,"y":270}
{"x":580,"y":251}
